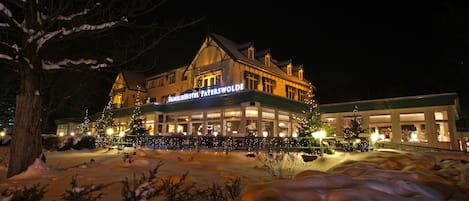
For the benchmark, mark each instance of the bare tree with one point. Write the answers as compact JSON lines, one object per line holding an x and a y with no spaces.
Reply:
{"x":37,"y":37}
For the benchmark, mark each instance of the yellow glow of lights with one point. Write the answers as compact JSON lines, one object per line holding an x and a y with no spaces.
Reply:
{"x":121,"y":134}
{"x":374,"y":137}
{"x":109,"y":131}
{"x":2,"y":134}
{"x":61,"y":134}
{"x":72,"y":133}
{"x":281,"y":134}
{"x":89,"y":133}
{"x":265,"y":133}
{"x":319,"y":134}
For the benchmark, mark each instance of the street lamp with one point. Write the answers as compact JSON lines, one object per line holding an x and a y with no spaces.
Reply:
{"x":2,"y":134}
{"x":320,"y":134}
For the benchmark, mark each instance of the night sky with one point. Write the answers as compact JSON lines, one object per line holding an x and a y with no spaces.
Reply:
{"x":350,"y":51}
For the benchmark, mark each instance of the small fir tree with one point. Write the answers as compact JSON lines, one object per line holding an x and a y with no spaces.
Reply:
{"x":310,"y":120}
{"x":136,"y":121}
{"x":106,"y":119}
{"x":85,"y":126}
{"x":355,"y":126}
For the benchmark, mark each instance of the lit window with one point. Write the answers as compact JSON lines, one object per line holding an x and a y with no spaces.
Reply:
{"x":413,"y":127}
{"x":172,"y":78}
{"x":251,"y":53}
{"x":252,"y":80}
{"x":441,"y":126}
{"x":291,"y":92}
{"x":208,"y":80}
{"x":268,"y":85}
{"x":302,"y":95}
{"x":267,"y":60}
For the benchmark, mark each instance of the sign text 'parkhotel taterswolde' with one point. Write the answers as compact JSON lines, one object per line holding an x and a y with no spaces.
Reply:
{"x":207,"y":92}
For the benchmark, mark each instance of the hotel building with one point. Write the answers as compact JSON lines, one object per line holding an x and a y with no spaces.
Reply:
{"x":228,"y":89}
{"x":232,"y":89}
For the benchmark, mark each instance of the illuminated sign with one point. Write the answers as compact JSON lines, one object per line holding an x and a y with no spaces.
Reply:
{"x":207,"y":92}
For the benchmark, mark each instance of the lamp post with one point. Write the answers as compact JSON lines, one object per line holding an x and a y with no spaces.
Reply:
{"x":320,"y":134}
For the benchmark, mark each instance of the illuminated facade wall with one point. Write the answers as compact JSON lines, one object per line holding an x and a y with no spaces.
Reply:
{"x":421,"y":120}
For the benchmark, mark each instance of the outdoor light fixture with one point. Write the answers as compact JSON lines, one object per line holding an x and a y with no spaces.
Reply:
{"x":61,"y":134}
{"x":320,"y":134}
{"x":89,"y":133}
{"x":121,"y":134}
{"x":373,"y":138}
{"x":72,"y":133}
{"x":2,"y":134}
{"x":281,"y":134}
{"x":109,"y":131}
{"x":265,"y":134}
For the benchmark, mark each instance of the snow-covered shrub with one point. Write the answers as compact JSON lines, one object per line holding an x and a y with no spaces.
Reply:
{"x":88,"y":192}
{"x":34,"y":193}
{"x":50,"y":142}
{"x":85,"y":142}
{"x":278,"y":164}
{"x":67,"y":144}
{"x":143,"y":188}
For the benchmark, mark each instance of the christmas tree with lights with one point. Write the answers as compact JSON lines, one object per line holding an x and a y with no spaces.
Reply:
{"x":136,"y":121}
{"x":310,"y":120}
{"x":106,"y":120}
{"x":355,"y":127}
{"x":84,"y":127}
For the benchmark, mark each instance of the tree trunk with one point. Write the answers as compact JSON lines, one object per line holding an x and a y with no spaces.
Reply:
{"x":26,"y":143}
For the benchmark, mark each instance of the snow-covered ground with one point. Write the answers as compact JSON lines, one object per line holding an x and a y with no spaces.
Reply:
{"x":378,"y":175}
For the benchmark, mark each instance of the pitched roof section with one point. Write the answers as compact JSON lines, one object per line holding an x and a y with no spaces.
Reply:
{"x":444,"y":99}
{"x":232,"y":49}
{"x":132,"y":79}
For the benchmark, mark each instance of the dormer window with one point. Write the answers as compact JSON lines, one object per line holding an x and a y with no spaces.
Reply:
{"x":251,"y":53}
{"x":267,"y":59}
{"x":289,"y":69}
{"x":300,"y":74}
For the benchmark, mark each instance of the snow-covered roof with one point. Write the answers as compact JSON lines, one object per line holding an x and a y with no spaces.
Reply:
{"x":233,"y":49}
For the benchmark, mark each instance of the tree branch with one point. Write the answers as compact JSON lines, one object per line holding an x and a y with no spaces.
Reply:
{"x":7,"y":15}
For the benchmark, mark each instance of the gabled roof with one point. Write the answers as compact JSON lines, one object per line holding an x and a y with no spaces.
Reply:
{"x":132,"y":79}
{"x":233,"y":50}
{"x":444,"y":99}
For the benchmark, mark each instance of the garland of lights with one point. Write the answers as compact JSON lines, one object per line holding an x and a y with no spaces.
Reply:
{"x":106,"y":119}
{"x":85,"y":126}
{"x":136,"y":121}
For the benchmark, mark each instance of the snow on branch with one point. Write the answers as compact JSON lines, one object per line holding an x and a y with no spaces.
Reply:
{"x":5,"y":10}
{"x":6,"y":57}
{"x":81,"y":28}
{"x":72,"y":16}
{"x":94,"y":64}
{"x":8,"y":16}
